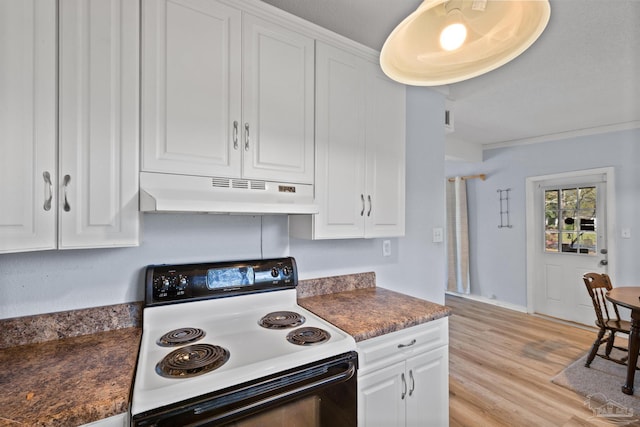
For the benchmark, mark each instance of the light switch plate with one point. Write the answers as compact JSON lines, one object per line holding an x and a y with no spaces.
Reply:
{"x":438,"y":235}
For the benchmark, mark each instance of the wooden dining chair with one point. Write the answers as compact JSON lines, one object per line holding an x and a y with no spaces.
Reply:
{"x":597,"y":286}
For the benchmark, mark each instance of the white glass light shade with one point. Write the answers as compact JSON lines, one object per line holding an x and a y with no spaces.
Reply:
{"x":496,"y":33}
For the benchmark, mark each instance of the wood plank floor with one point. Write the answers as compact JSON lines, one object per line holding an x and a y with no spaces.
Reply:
{"x":500,"y":366}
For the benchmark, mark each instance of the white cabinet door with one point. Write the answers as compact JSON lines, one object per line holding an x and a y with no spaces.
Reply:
{"x":98,"y":123}
{"x":27,"y":125}
{"x":278,"y":102}
{"x":404,"y":377}
{"x":385,"y":155}
{"x":381,"y":397}
{"x":360,"y":150}
{"x":340,"y":142}
{"x":428,"y":381}
{"x":191,"y":88}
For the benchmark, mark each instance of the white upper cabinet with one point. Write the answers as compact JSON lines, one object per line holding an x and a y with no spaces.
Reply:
{"x":225,"y":94}
{"x":88,"y":198}
{"x":191,"y":87}
{"x":385,"y":155}
{"x":98,"y":123}
{"x":27,"y":125}
{"x":278,"y":102}
{"x":360,"y":150}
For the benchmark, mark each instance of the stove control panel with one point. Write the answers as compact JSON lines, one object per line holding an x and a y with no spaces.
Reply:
{"x":166,"y":284}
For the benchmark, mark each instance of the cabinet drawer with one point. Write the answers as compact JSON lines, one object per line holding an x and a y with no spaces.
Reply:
{"x":384,"y":350}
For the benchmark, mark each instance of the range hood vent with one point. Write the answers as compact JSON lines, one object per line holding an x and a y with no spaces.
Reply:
{"x":160,"y":192}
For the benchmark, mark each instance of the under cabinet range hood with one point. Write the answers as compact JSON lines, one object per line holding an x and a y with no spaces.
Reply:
{"x":161,"y":192}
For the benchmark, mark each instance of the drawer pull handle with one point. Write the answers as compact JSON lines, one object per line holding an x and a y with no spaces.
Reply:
{"x":413,"y":341}
{"x":404,"y":386}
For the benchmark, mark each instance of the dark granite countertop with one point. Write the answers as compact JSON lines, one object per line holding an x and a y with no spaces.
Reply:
{"x":83,"y":376}
{"x":72,"y":368}
{"x":370,"y":312}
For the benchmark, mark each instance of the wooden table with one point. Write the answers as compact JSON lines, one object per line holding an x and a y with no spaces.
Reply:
{"x":629,"y":297}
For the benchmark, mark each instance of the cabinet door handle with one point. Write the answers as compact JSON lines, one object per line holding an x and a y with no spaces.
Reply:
{"x":370,"y":205}
{"x":65,"y":183}
{"x":413,"y":383}
{"x":235,"y":134}
{"x":404,"y":386}
{"x":413,"y":341}
{"x":246,"y":137}
{"x":47,"y":183}
{"x":362,"y":200}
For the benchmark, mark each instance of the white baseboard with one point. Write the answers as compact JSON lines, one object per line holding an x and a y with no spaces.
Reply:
{"x":485,"y":300}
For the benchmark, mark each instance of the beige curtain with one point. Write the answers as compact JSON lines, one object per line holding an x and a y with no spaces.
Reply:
{"x":457,"y":236}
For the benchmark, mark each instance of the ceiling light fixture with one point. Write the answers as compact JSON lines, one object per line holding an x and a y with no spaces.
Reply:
{"x":446,"y":42}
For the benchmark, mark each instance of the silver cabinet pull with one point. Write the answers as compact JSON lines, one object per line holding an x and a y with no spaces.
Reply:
{"x":413,"y":341}
{"x":47,"y":183}
{"x":370,"y":205}
{"x":362,"y":199}
{"x":235,"y":134}
{"x":65,"y":183}
{"x":404,"y":386}
{"x":246,"y":137}
{"x":413,"y":383}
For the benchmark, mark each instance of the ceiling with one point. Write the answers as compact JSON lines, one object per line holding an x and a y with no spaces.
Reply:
{"x":580,"y":77}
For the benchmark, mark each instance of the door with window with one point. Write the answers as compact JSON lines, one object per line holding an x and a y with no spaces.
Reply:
{"x":571,"y":241}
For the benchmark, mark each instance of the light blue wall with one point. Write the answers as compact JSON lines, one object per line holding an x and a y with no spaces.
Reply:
{"x":50,"y":281}
{"x":498,"y":256}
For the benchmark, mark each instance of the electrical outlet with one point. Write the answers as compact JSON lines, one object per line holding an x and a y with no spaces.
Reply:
{"x":386,"y":248}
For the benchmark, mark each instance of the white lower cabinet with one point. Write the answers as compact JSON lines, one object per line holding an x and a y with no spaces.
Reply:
{"x":120,"y":420}
{"x":403,"y":377}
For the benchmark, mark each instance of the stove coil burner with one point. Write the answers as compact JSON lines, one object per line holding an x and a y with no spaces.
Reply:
{"x":281,"y":320}
{"x":192,"y":360}
{"x":308,"y":336}
{"x":180,"y":336}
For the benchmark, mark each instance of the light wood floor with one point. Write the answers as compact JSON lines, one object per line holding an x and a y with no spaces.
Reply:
{"x":501,"y":363}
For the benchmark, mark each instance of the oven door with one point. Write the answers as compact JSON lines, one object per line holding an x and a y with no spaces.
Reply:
{"x":318,"y":394}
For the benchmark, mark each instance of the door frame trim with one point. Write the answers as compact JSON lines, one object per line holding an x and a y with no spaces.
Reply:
{"x":530,"y":189}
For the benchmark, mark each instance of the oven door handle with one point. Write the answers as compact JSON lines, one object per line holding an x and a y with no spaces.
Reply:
{"x":251,"y":407}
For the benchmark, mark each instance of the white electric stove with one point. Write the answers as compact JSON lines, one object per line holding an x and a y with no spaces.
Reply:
{"x":224,"y":340}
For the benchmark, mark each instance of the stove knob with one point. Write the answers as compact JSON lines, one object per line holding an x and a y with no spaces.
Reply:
{"x":275,"y":272}
{"x":286,"y":271}
{"x":165,"y":283}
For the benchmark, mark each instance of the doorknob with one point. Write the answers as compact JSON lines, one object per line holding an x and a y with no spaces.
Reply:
{"x":604,"y":262}
{"x":604,"y":251}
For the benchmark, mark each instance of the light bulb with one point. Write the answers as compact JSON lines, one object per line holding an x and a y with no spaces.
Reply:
{"x":453,"y":36}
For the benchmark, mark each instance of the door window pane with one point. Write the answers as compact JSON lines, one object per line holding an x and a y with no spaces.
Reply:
{"x":570,"y":220}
